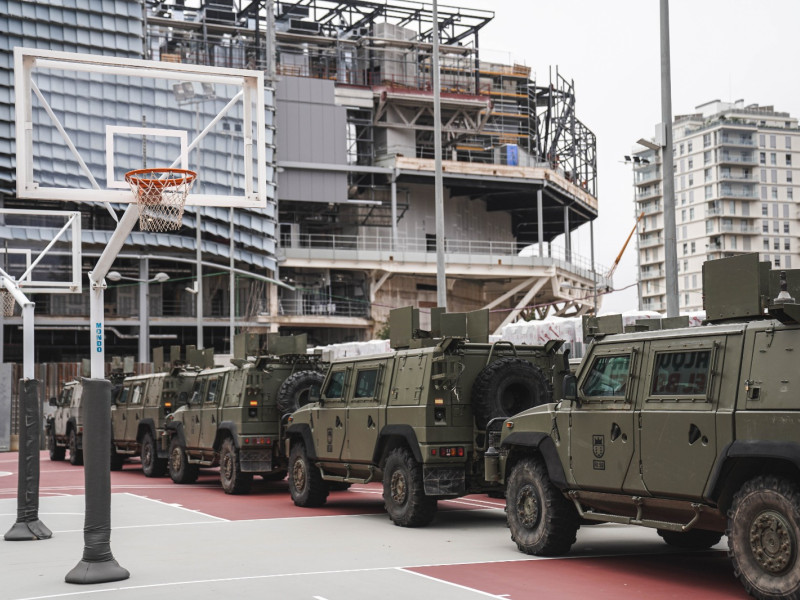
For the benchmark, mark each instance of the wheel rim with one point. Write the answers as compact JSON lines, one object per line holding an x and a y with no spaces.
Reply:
{"x":177,"y":459}
{"x":147,"y":456}
{"x":73,"y":443}
{"x":398,"y":488}
{"x":299,"y":475}
{"x":528,"y":507}
{"x":227,"y":466}
{"x":772,"y":542}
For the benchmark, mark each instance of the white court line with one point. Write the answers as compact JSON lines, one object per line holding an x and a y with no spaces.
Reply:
{"x":196,"y":512}
{"x":144,"y":526}
{"x":450,"y":583}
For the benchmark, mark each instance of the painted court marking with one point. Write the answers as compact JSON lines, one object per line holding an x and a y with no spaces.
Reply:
{"x":5,"y":473}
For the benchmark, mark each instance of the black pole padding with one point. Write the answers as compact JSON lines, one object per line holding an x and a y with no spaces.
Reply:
{"x":98,"y":564}
{"x":28,"y":526}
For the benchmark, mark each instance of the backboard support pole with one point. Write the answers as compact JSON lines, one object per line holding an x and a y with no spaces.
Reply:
{"x":98,"y":564}
{"x":27,"y":527}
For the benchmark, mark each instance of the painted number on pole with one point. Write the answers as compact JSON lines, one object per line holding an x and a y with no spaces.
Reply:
{"x":98,"y":331}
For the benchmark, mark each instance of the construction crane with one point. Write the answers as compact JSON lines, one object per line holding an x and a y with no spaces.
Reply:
{"x":625,"y":245}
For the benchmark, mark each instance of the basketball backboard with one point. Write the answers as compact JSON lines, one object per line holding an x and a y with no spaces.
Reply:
{"x":97,"y":117}
{"x":41,"y":250}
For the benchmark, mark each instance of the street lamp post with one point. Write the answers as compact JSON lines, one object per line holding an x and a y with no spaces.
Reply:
{"x":144,"y":305}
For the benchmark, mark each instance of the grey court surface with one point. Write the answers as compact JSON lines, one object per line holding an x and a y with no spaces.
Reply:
{"x":173,"y":552}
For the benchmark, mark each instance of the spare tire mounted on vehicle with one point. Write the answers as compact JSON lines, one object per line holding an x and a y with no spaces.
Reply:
{"x":506,"y":387}
{"x":295,"y":391}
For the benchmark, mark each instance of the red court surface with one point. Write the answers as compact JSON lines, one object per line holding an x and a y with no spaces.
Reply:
{"x":608,"y":562}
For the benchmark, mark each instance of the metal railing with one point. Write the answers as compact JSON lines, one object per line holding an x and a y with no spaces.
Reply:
{"x":322,"y":307}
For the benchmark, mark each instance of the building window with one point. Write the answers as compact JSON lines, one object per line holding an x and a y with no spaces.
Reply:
{"x":789,"y":194}
{"x":785,"y":211}
{"x":689,"y":147}
{"x":775,"y":194}
{"x":693,"y":247}
{"x":708,"y":192}
{"x":691,"y":163}
{"x":762,"y":158}
{"x":686,"y":299}
{"x":775,"y":209}
{"x":706,"y":140}
{"x":681,"y":149}
{"x":763,"y":192}
{"x":776,"y":226}
{"x":683,"y":215}
{"x":776,"y":244}
{"x":691,"y":196}
{"x":765,"y":226}
{"x":774,"y":175}
{"x":787,"y":244}
{"x":788,"y":142}
{"x":773,"y":158}
{"x":691,"y":214}
{"x":685,"y":248}
{"x":788,"y":261}
{"x":685,"y":265}
{"x":691,"y":178}
{"x":766,"y":244}
{"x":763,"y":176}
{"x":694,"y":281}
{"x":709,"y":226}
{"x":706,"y":157}
{"x":785,"y":226}
{"x":788,"y":177}
{"x":788,"y":160}
{"x":773,"y":141}
{"x":777,"y":261}
{"x":761,"y":141}
{"x":764,"y":210}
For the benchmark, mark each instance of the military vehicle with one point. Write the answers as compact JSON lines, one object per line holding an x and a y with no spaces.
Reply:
{"x":235,"y":414}
{"x":64,"y":428}
{"x":692,"y":431}
{"x":416,"y":418}
{"x":140,"y":408}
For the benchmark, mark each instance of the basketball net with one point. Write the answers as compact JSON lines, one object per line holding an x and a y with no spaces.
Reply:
{"x":160,"y":195}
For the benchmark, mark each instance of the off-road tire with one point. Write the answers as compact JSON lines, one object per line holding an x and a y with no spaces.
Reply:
{"x":180,"y":471}
{"x":306,"y":485}
{"x":763,"y":535}
{"x":541,"y":520}
{"x":56,"y":452}
{"x":295,"y":391}
{"x":75,"y":455}
{"x":696,"y":539}
{"x":506,"y":387}
{"x":404,"y":492}
{"x":230,"y":472}
{"x":152,"y":465}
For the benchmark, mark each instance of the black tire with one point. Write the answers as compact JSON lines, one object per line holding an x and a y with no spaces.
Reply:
{"x":763,"y":533}
{"x":152,"y":466}
{"x":180,"y":471}
{"x":506,"y":387}
{"x":75,"y":455}
{"x":696,"y":539}
{"x":541,"y":520}
{"x":404,"y":493}
{"x":230,"y":472}
{"x":295,"y":391}
{"x":306,"y":485}
{"x":57,"y":453}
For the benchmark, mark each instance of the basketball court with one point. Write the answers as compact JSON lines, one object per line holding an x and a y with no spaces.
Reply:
{"x":195,"y":541}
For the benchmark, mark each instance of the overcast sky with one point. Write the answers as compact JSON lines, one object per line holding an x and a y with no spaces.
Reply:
{"x":720,"y":49}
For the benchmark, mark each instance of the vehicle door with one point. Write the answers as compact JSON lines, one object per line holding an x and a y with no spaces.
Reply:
{"x":134,"y":409}
{"x":330,"y":416}
{"x":62,"y":411}
{"x":601,"y":426}
{"x":153,"y":398}
{"x":215,"y":388}
{"x":191,"y":417}
{"x":364,"y":411}
{"x":119,"y":416}
{"x":677,"y":415}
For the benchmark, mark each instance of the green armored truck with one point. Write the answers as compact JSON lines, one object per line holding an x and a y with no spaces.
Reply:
{"x":140,"y":408}
{"x":64,"y":428}
{"x":694,"y":432}
{"x":416,"y":418}
{"x":235,"y":414}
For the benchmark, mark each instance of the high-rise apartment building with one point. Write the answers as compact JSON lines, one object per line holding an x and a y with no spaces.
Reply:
{"x":735,"y":178}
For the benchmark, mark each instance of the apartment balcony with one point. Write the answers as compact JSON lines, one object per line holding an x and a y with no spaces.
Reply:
{"x":649,"y":242}
{"x":654,"y":305}
{"x":738,"y":193}
{"x":743,"y":178}
{"x":648,"y":274}
{"x":648,"y":194}
{"x":464,"y":258}
{"x":737,"y":140}
{"x":652,"y":208}
{"x":743,"y":229}
{"x":739,"y":158}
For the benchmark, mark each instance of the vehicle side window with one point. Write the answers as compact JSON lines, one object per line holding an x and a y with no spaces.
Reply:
{"x":681,"y":373}
{"x":197,"y":392}
{"x":122,"y":398}
{"x":335,"y":385}
{"x":365,"y":383}
{"x":66,"y":397}
{"x":136,"y":394}
{"x":212,"y":390}
{"x":608,"y":376}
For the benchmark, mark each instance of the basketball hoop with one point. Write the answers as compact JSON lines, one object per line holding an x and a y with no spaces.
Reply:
{"x":8,"y":302}
{"x":160,"y":195}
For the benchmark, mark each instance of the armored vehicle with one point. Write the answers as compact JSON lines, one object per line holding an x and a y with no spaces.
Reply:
{"x":64,"y":428}
{"x":140,"y":408}
{"x":234,"y":415}
{"x":692,"y":431}
{"x":416,"y":418}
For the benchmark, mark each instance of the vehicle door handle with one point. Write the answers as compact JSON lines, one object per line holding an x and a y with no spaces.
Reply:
{"x":370,"y":422}
{"x":124,"y":418}
{"x":694,"y":433}
{"x":338,"y":422}
{"x":615,"y":432}
{"x":213,"y":419}
{"x":196,"y":419}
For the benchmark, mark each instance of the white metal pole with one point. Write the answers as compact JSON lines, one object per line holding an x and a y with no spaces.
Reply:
{"x":441,"y":279}
{"x":232,"y":285}
{"x":144,"y":311}
{"x":199,"y":258}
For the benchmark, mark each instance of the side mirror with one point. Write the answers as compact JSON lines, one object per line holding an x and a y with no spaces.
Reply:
{"x":53,"y":402}
{"x":570,"y":388}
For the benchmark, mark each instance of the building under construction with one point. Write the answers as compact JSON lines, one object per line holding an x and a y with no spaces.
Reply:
{"x":354,"y":233}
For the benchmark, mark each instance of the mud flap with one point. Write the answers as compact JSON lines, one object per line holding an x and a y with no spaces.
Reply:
{"x":255,"y":460}
{"x":444,"y":481}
